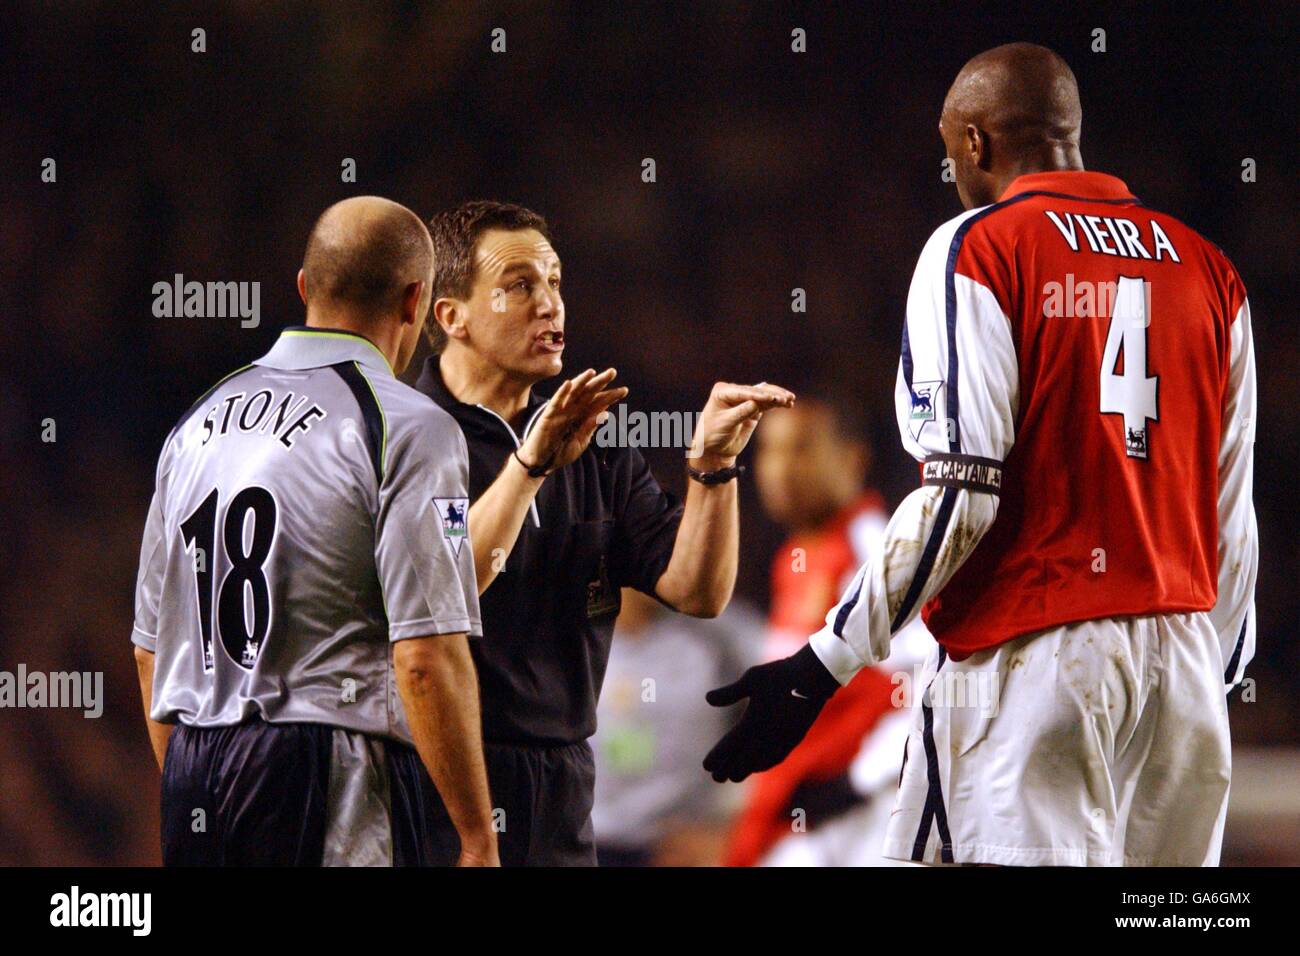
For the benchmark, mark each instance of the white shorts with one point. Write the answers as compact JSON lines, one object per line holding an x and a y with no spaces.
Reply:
{"x":1103,"y":743}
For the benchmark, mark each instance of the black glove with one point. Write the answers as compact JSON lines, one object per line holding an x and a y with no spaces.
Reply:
{"x":785,"y":698}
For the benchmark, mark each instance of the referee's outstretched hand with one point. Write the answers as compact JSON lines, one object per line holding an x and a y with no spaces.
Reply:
{"x":785,"y":698}
{"x":730,"y":417}
{"x":572,"y":415}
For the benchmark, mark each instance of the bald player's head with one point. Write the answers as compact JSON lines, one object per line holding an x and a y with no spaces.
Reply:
{"x":1012,"y":110}
{"x":369,"y":268}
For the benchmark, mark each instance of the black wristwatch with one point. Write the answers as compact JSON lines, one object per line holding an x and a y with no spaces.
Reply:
{"x":718,"y":477}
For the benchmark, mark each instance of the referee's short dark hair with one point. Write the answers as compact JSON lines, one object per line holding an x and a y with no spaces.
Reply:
{"x":455,"y":238}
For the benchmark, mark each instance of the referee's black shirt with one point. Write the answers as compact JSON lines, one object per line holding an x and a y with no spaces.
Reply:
{"x":598,"y":524}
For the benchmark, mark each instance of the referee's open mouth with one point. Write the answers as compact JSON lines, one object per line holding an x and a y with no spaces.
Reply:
{"x":552,"y":340}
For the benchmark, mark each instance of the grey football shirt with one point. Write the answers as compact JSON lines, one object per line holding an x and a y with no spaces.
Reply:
{"x":308,"y":510}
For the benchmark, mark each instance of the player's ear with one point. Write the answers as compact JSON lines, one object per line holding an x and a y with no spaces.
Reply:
{"x":412,"y":299}
{"x":302,"y":287}
{"x":977,"y":144}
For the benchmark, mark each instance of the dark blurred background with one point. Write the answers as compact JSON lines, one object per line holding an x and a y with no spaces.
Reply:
{"x":775,"y":170}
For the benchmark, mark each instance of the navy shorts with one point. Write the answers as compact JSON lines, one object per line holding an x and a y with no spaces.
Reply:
{"x":260,"y":794}
{"x":541,"y":800}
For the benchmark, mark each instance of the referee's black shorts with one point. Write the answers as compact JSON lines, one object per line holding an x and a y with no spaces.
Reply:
{"x":260,"y":794}
{"x":541,"y":805}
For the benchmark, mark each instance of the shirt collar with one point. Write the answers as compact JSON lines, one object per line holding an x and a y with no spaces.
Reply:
{"x":300,"y":347}
{"x":1070,"y":182}
{"x":430,"y":383}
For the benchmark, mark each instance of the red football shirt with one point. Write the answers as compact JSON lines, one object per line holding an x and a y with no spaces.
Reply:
{"x":1120,"y":317}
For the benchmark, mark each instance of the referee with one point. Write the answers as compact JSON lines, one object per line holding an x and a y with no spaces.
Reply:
{"x":309,"y":509}
{"x":559,"y":527}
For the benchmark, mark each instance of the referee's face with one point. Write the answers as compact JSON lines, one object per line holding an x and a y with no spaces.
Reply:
{"x":515,"y":314}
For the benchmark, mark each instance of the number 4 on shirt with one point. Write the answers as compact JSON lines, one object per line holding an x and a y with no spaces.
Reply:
{"x":1131,"y":393}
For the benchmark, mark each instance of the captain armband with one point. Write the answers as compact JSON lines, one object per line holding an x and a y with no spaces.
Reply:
{"x":963,"y":471}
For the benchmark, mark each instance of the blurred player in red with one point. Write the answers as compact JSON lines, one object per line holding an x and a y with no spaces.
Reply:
{"x":828,"y":802}
{"x":1078,"y":367}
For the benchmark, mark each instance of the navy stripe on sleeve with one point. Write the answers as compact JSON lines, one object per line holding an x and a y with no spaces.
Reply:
{"x":928,"y":557}
{"x":847,"y":608}
{"x":370,"y":413}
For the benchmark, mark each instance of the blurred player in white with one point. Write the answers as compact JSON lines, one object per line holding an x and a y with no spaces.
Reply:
{"x":1080,"y":368}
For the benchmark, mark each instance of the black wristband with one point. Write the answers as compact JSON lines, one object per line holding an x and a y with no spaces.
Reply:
{"x":534,"y":471}
{"x":718,"y":477}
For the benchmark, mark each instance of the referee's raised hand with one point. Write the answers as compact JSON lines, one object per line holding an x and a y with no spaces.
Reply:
{"x":571,"y":417}
{"x":729,"y":419}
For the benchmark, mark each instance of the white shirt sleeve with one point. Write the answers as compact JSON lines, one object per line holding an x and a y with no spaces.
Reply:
{"x":956,"y":399}
{"x":1234,"y":613}
{"x":913,"y":642}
